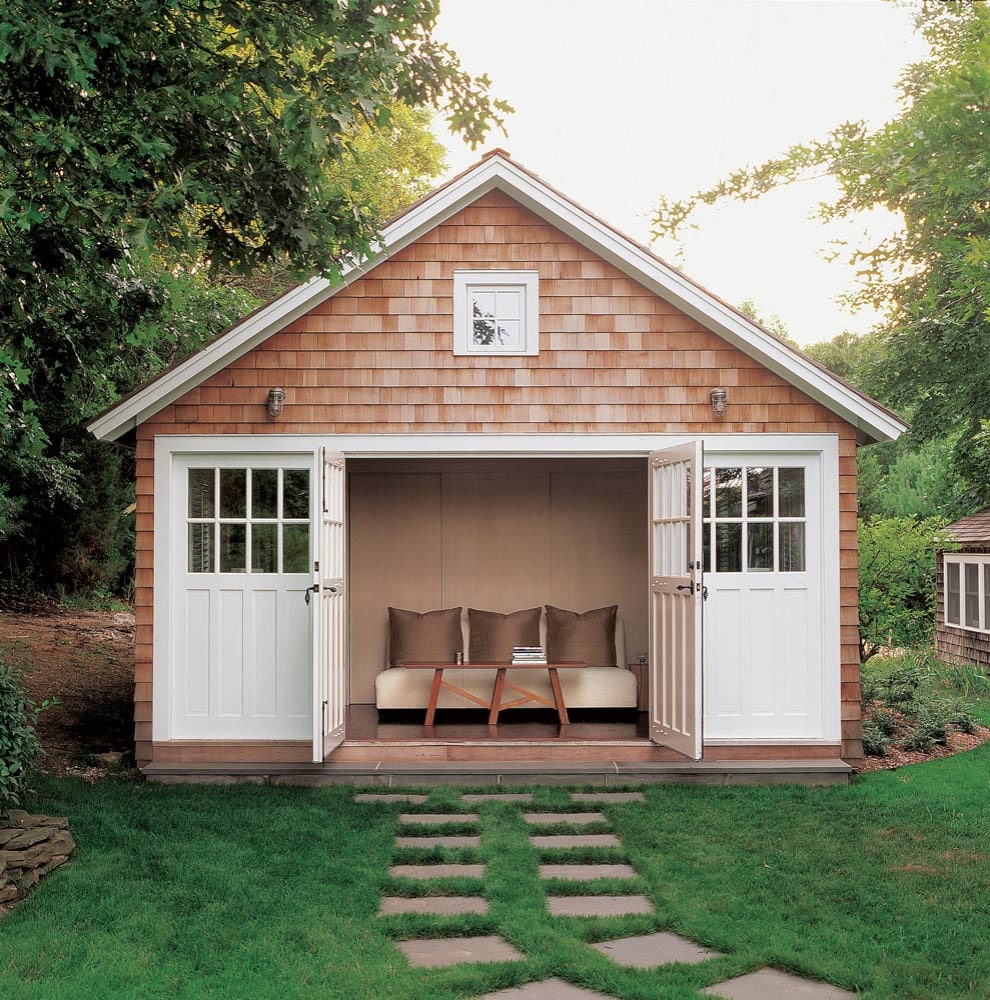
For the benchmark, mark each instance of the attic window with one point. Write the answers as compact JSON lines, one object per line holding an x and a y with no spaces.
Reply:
{"x":496,"y":312}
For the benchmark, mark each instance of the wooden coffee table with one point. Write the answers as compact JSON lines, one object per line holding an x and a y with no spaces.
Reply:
{"x":501,"y":683}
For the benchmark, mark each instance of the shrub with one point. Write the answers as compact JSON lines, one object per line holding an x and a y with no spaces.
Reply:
{"x":884,"y":720}
{"x":875,"y":741}
{"x":930,"y":729}
{"x":19,"y":744}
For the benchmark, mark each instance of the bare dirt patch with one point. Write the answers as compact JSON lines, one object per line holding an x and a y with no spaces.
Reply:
{"x":85,"y":660}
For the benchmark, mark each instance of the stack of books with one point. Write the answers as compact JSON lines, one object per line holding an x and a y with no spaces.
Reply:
{"x":529,"y":655}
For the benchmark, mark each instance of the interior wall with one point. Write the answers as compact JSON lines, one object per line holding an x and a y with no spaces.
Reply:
{"x":498,"y":535}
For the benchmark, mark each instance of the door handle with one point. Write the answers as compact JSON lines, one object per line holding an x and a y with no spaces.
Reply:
{"x":310,"y":591}
{"x":689,"y":587}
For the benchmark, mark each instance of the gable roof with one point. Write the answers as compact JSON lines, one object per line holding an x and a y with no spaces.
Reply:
{"x":972,"y":530}
{"x":496,"y":172}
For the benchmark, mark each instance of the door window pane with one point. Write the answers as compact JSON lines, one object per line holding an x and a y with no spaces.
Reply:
{"x":295,"y":548}
{"x":792,"y":558}
{"x":759,"y":492}
{"x":295,"y":494}
{"x":952,"y":592}
{"x":233,"y":493}
{"x":264,"y":548}
{"x":264,"y":493}
{"x":759,"y":550}
{"x":706,"y":533}
{"x":728,"y":548}
{"x":233,"y":548}
{"x":791,"y":492}
{"x":728,"y":492}
{"x":201,"y":492}
{"x":201,"y":548}
{"x":972,"y":595}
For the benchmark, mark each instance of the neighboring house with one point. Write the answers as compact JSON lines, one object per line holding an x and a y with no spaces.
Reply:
{"x":511,"y":406}
{"x":962,"y":632}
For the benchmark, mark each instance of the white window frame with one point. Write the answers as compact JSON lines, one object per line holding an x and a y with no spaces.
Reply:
{"x":525,"y":282}
{"x":962,"y":559}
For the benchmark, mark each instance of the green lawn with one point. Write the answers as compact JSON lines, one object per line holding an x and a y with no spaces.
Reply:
{"x":883,"y":887}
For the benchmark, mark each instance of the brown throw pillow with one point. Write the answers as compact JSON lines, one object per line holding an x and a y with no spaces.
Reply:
{"x":427,"y":637}
{"x":585,"y":635}
{"x":493,"y":634}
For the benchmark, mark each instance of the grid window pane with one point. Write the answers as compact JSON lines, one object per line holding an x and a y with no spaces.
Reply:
{"x":233,"y":493}
{"x":295,"y":548}
{"x":508,"y":333}
{"x":508,"y":305}
{"x":483,"y":305}
{"x":728,"y":492}
{"x":295,"y":494}
{"x":201,"y":492}
{"x":986,"y":596}
{"x":759,"y":548}
{"x":791,"y":492}
{"x":233,"y":548}
{"x":483,"y":332}
{"x":264,"y":493}
{"x":952,"y":592}
{"x":972,"y":595}
{"x":759,"y":492}
{"x":201,"y":548}
{"x":728,"y":548}
{"x":792,"y":555}
{"x":707,"y":545}
{"x":264,"y":548}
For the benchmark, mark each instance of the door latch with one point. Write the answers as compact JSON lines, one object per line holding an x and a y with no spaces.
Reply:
{"x":314,"y":589}
{"x":689,"y":587}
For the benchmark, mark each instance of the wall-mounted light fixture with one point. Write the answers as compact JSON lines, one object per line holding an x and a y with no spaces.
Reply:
{"x":720,"y":401}
{"x":276,"y":400}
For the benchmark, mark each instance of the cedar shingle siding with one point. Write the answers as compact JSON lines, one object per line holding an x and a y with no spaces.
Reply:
{"x":377,"y":358}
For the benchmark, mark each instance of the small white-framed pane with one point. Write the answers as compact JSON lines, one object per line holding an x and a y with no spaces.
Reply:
{"x":986,"y":596}
{"x":706,"y":543}
{"x":706,"y":493}
{"x":972,"y":582}
{"x":200,"y":547}
{"x":233,"y":548}
{"x":728,"y":548}
{"x":759,"y":492}
{"x":728,"y":492}
{"x":759,"y":547}
{"x":482,"y":305}
{"x":264,"y":493}
{"x":952,"y":592}
{"x":201,"y":483}
{"x":483,"y":333}
{"x":295,"y":494}
{"x":508,"y":304}
{"x":792,"y":546}
{"x":233,"y":493}
{"x":264,"y":548}
{"x":791,"y":488}
{"x":508,"y":333}
{"x":295,"y":548}
{"x":686,"y":489}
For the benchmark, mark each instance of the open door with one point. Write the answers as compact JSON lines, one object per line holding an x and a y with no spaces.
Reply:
{"x":676,"y":598}
{"x":330,"y":618}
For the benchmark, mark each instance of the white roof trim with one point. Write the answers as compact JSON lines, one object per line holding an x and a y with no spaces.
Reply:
{"x":496,"y":171}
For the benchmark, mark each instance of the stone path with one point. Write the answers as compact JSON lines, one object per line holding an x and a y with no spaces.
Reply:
{"x":644,"y":951}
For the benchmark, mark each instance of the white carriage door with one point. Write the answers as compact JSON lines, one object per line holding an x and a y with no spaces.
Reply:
{"x":330,"y":617}
{"x":676,"y":598}
{"x":240,"y":633}
{"x":764,"y":643}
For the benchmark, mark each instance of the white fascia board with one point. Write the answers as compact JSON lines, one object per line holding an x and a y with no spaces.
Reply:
{"x":554,"y":208}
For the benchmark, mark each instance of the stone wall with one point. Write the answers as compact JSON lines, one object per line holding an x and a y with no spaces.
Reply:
{"x":30,"y":847}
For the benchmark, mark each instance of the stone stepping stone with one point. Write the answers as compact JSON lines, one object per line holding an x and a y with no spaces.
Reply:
{"x":575,"y":819}
{"x":433,"y":905}
{"x":437,"y":841}
{"x":770,"y":984}
{"x":499,"y":797}
{"x":649,"y":950}
{"x":432,"y":953}
{"x":576,"y":840}
{"x":587,"y":873}
{"x":390,"y":798}
{"x":437,"y":819}
{"x":608,"y":797}
{"x":597,"y":906}
{"x":548,"y":989}
{"x":437,"y":871}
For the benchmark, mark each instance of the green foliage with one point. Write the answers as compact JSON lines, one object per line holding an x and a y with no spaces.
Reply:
{"x":136,"y":191}
{"x":19,"y":745}
{"x":929,"y":165}
{"x":897,"y":581}
{"x":876,"y":742}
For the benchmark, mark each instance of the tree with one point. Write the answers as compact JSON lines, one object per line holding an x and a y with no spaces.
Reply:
{"x":930,"y":165}
{"x":147,"y":146}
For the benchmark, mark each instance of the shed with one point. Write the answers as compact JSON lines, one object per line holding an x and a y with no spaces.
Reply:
{"x":962,"y":633}
{"x":513,"y":408}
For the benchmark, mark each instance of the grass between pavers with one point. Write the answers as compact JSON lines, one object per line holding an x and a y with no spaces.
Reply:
{"x":188,"y":891}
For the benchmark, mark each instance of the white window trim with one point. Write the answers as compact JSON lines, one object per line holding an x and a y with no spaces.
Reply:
{"x":527,"y":282}
{"x":962,"y":559}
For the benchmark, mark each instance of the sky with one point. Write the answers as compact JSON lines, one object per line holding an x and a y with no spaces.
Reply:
{"x":619,"y":101}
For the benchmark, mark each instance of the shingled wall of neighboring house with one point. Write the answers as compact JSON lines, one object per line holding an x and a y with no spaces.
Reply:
{"x":615,"y":358}
{"x":960,"y":645}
